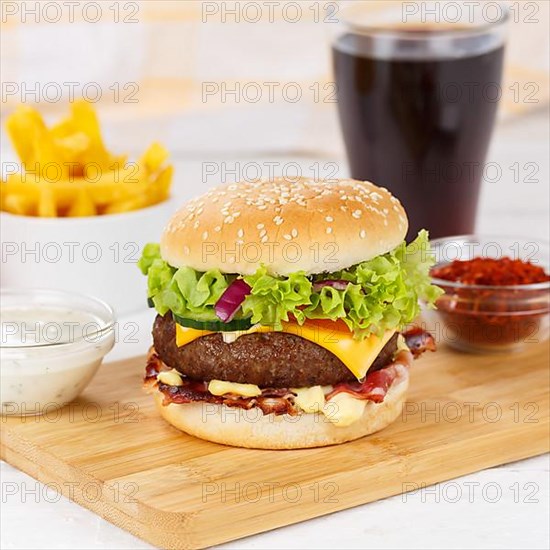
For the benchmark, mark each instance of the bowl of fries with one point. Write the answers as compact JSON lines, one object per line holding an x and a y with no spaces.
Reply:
{"x":75,"y":216}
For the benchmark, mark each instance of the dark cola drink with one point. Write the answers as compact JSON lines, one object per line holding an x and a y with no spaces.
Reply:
{"x":417,"y":107}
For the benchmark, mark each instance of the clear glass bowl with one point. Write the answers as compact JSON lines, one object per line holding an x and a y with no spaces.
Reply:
{"x":52,"y":343}
{"x":485,"y":318}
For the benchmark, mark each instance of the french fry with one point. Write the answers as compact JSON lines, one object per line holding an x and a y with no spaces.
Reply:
{"x":118,"y":186}
{"x":17,"y":184}
{"x":60,"y":162}
{"x":159,"y":189}
{"x":154,"y":157}
{"x":82,"y":206}
{"x":85,"y":119}
{"x":73,"y":146}
{"x":46,"y":157}
{"x":18,"y":204}
{"x":46,"y":203}
{"x":21,"y":127}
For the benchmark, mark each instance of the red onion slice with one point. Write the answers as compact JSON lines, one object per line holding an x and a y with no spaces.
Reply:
{"x":231,"y":300}
{"x":338,"y":284}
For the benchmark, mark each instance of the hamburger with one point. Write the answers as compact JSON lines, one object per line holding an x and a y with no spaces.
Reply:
{"x":282,"y":308}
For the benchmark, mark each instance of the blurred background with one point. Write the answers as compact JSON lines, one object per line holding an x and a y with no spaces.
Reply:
{"x":215,"y":77}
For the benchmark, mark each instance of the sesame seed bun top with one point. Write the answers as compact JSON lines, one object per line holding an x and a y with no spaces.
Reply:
{"x":288,"y":226}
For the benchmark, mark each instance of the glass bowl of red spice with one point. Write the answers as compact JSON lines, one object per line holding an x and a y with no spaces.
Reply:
{"x":496,"y":292}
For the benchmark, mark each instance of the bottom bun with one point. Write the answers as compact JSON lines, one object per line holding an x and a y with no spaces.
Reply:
{"x":252,"y":429}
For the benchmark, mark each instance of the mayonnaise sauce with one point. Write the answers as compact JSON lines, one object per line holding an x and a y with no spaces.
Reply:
{"x":48,"y":354}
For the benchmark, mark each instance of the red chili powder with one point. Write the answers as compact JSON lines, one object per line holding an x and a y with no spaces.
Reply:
{"x":489,"y":271}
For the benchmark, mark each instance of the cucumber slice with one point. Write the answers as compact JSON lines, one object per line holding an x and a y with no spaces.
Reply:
{"x":208,"y":323}
{"x":214,"y":326}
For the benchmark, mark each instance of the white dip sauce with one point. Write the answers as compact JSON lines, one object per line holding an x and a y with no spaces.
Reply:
{"x":48,"y":355}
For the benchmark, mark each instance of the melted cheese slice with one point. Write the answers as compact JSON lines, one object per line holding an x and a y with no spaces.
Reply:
{"x":170,"y":377}
{"x":343,"y":409}
{"x":310,"y":400}
{"x":220,"y":387}
{"x":357,"y":355}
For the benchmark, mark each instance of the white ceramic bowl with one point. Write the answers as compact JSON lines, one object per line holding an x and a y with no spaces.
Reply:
{"x":93,"y":255}
{"x":52,"y":344}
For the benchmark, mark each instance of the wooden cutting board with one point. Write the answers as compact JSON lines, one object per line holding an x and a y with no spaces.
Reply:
{"x":111,"y":453}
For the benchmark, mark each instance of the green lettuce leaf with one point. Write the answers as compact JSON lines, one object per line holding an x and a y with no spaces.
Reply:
{"x":272,"y":299}
{"x":183,"y":291}
{"x":151,"y":252}
{"x":383,"y":293}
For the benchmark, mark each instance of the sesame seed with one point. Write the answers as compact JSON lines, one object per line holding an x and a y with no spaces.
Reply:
{"x":287,"y":237}
{"x":357,"y":214}
{"x":294,"y":233}
{"x":186,"y":250}
{"x":375,"y":196}
{"x":229,"y":219}
{"x":263,"y":232}
{"x":196,"y":224}
{"x":264,"y":239}
{"x":329,"y":219}
{"x":260,"y":226}
{"x":329,"y":230}
{"x":205,"y":236}
{"x":218,"y":228}
{"x":362,"y":233}
{"x":240,"y":233}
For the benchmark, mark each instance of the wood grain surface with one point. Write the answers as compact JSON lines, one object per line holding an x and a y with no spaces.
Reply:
{"x":110,"y":452}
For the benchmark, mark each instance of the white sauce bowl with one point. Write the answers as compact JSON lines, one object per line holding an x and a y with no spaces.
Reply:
{"x":52,"y":344}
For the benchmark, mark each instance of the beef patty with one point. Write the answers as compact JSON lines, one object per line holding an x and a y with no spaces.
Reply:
{"x":271,"y":359}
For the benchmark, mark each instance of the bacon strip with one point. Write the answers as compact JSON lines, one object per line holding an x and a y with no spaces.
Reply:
{"x":418,"y":340}
{"x":153,"y":365}
{"x":192,"y":391}
{"x":376,"y":384}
